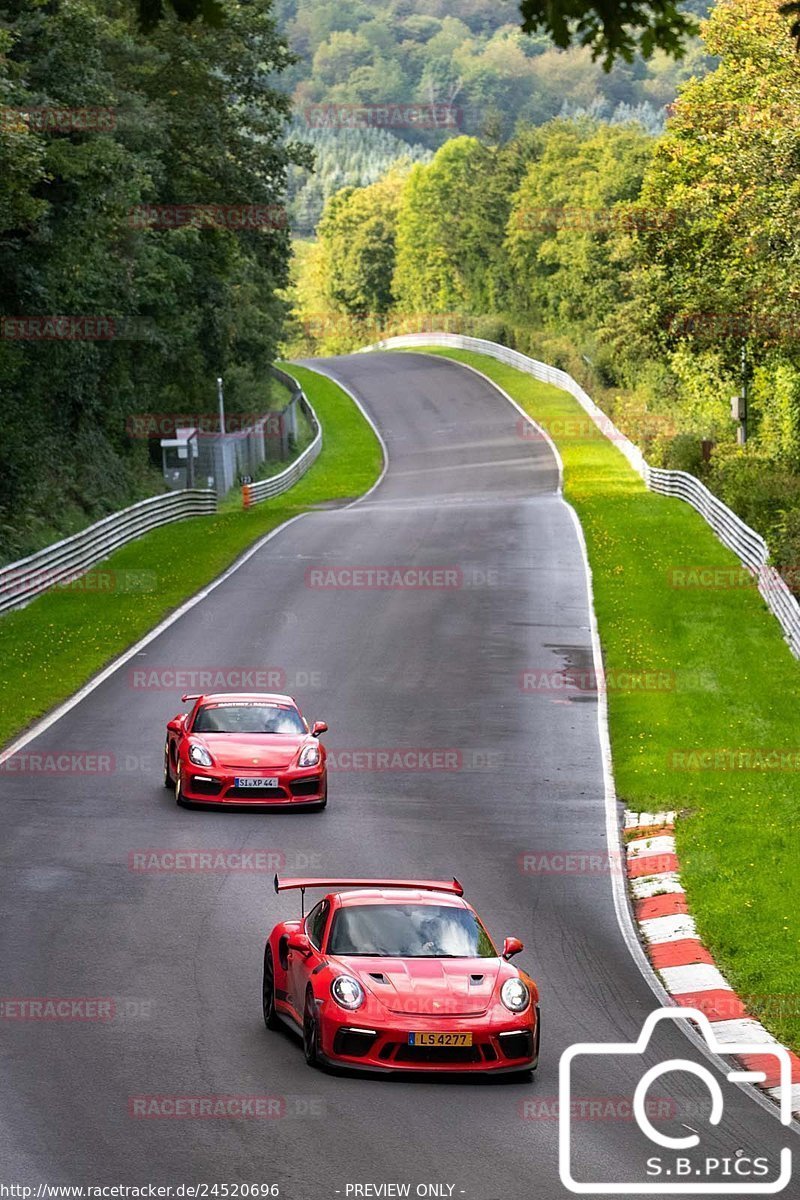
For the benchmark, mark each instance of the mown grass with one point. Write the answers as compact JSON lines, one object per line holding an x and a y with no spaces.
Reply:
{"x":734,"y":687}
{"x":62,"y":639}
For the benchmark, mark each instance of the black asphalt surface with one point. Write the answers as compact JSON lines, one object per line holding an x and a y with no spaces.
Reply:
{"x":417,"y":669}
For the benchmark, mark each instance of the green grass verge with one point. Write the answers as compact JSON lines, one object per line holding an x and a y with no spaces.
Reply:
{"x":735,"y":686}
{"x":57,"y":643}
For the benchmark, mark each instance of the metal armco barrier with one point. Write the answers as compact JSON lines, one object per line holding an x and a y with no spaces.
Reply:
{"x":254,"y":493}
{"x":749,"y":547}
{"x":67,"y":560}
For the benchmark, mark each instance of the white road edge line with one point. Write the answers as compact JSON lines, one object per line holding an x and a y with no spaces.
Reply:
{"x":44,"y":723}
{"x":613,"y":832}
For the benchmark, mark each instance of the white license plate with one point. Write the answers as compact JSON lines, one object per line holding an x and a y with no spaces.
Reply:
{"x":256,"y":781}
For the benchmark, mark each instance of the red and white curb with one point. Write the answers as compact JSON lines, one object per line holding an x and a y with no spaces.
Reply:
{"x":683,"y":963}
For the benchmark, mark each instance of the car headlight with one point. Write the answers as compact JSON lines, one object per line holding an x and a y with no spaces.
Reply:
{"x":347,"y":992}
{"x":200,"y":756}
{"x":515,"y":995}
{"x":309,"y":755}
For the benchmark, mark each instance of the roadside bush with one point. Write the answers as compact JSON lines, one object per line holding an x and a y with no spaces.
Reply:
{"x":763,"y":492}
{"x":684,"y":452}
{"x":651,"y":430}
{"x":491,"y":329}
{"x":785,"y":548}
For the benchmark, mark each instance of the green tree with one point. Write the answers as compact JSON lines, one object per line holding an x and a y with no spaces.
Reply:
{"x":433,"y":246}
{"x":342,"y":54}
{"x":567,"y":218}
{"x":196,"y":122}
{"x":612,"y":31}
{"x":358,"y":230}
{"x":722,"y":273}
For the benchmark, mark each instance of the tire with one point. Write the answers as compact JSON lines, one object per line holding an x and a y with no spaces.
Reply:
{"x":271,"y":1019}
{"x":538,"y":1037}
{"x":310,"y":1031}
{"x":169,"y":782}
{"x":179,"y":798}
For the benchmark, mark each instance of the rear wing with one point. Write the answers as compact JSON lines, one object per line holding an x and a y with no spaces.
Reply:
{"x":424,"y":885}
{"x":190,"y":696}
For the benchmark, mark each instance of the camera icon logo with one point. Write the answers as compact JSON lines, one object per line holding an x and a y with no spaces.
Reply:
{"x":691,"y":1183}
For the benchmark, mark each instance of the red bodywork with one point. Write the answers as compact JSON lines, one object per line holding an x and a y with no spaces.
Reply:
{"x":249,"y":756}
{"x":403,"y":997}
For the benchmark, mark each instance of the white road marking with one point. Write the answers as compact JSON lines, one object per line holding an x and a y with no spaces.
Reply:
{"x":744,"y":1029}
{"x":656,"y":885}
{"x":674,"y":928}
{"x":648,"y":820}
{"x":795,"y":1101}
{"x":695,"y":977}
{"x":649,"y":847}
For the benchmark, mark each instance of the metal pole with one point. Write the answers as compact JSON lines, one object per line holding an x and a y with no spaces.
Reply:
{"x":221,"y":399}
{"x":742,"y":439}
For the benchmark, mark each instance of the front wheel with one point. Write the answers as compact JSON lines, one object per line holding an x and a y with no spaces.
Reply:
{"x":310,"y":1031}
{"x":169,"y":782}
{"x":271,"y":1019}
{"x":179,"y":797}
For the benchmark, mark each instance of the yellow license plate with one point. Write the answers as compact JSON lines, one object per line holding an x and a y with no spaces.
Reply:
{"x":440,"y":1039}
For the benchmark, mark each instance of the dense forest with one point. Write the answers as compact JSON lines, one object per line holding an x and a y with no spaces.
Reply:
{"x":342,"y":158}
{"x":660,"y":270}
{"x":112,"y":147}
{"x":357,"y":57}
{"x":472,"y":55}
{"x":149,"y":184}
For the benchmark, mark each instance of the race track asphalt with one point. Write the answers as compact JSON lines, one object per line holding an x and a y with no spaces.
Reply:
{"x":414,"y":669}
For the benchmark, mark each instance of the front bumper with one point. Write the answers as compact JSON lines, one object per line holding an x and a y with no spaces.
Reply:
{"x":497,"y":1046}
{"x":295,"y":786}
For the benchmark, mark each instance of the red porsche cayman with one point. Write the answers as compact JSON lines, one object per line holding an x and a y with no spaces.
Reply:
{"x":399,"y":975}
{"x":245,"y":748}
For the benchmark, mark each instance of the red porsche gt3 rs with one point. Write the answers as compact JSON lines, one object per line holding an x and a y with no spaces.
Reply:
{"x":399,"y":975}
{"x":245,"y":748}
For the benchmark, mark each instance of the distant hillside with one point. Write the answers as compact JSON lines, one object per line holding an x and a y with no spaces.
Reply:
{"x":344,"y":158}
{"x":373,"y":78}
{"x":406,"y":52}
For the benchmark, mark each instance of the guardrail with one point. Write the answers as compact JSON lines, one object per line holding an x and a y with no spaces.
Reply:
{"x":254,"y":493}
{"x":750,"y":548}
{"x":67,"y":560}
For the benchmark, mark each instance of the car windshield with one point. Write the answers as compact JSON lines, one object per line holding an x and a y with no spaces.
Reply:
{"x":409,"y":931}
{"x":248,"y":718}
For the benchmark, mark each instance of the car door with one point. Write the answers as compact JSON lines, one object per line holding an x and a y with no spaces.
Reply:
{"x":300,"y":965}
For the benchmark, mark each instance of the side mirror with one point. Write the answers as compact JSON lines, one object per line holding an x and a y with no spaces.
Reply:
{"x":300,"y":943}
{"x":318,"y":727}
{"x":511,"y":946}
{"x":177,"y":723}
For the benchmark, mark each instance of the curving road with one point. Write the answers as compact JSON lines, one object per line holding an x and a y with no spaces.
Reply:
{"x":417,"y":669}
